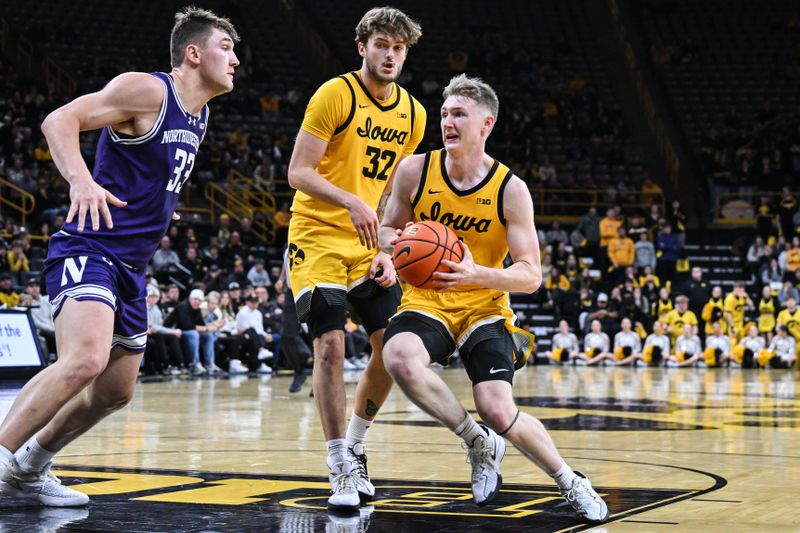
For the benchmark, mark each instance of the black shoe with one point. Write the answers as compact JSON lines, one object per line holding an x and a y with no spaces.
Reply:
{"x":297,"y":383}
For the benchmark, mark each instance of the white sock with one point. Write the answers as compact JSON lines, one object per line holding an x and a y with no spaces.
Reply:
{"x":337,"y":452}
{"x":564,"y":476}
{"x":469,"y":430}
{"x":5,"y":453}
{"x":31,"y":457}
{"x":357,"y":430}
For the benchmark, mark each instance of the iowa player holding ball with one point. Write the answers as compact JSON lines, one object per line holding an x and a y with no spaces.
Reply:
{"x":357,"y":128}
{"x":491,"y":210}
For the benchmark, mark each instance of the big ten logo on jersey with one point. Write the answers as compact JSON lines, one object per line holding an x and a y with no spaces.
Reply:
{"x":184,"y":161}
{"x":484,"y":201}
{"x":73,"y":269}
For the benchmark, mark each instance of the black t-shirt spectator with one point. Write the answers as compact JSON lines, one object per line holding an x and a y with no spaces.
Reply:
{"x":184,"y":317}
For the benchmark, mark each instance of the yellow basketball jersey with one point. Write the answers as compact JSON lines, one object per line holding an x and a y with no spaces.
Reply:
{"x":792,"y":321}
{"x":766,"y":315}
{"x":677,"y":321}
{"x":735,"y":306}
{"x":476,"y":217}
{"x":366,"y":140}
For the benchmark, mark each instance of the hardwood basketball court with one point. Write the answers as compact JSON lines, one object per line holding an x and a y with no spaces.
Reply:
{"x":670,"y":450}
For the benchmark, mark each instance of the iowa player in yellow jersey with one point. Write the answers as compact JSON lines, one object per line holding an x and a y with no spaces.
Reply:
{"x":734,"y":307}
{"x":491,"y":211}
{"x":357,"y":128}
{"x":790,"y":317}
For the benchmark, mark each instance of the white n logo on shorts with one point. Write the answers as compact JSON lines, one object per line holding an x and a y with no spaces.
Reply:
{"x":75,"y":272}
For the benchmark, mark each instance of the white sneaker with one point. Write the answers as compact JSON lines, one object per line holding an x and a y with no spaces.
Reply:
{"x":43,"y":487}
{"x":236,"y":367}
{"x":349,"y":365}
{"x":366,"y":490}
{"x":585,"y":500}
{"x":344,"y":495}
{"x":264,"y":354}
{"x":198,"y":369}
{"x":214,"y":369}
{"x":264,"y":369}
{"x":361,"y":362}
{"x":485,"y":455}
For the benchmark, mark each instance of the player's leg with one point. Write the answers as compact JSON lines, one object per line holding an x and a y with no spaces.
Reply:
{"x":373,"y":306}
{"x":83,"y":356}
{"x":490,"y":366}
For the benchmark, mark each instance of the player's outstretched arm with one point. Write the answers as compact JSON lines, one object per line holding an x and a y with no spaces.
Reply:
{"x":303,"y":176}
{"x":131,"y":101}
{"x":525,"y":275}
{"x":399,"y":210}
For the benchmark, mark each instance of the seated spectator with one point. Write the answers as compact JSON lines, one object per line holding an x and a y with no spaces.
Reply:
{"x":215,"y":322}
{"x":192,"y":265}
{"x":746,"y":352}
{"x":238,"y":275}
{"x":656,"y":346}
{"x":679,"y":317}
{"x":234,"y":297}
{"x":165,"y":261}
{"x":555,"y":285}
{"x":782,"y":351}
{"x":627,"y":344}
{"x":596,"y":346}
{"x":214,"y":280}
{"x":196,"y":334}
{"x":791,"y":259}
{"x":555,"y":234}
{"x":8,"y":297}
{"x":718,"y":347}
{"x":250,"y":323}
{"x":258,"y":275}
{"x":170,"y":300}
{"x":18,"y":262}
{"x":607,"y":315}
{"x":565,"y":345}
{"x":788,"y":291}
{"x":688,"y":349}
{"x":589,"y":227}
{"x":163,"y":353}
{"x":754,"y":254}
{"x":42,"y":314}
{"x":770,"y":273}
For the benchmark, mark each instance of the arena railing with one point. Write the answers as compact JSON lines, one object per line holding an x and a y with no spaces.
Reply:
{"x":24,"y":205}
{"x":569,"y":205}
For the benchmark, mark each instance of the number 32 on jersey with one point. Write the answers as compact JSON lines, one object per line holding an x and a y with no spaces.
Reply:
{"x":183,"y":167}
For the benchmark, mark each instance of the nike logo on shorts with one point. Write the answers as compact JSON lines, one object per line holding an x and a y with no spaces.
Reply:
{"x":494,"y":370}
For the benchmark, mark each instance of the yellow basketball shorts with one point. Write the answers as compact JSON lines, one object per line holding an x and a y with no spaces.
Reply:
{"x":328,"y":258}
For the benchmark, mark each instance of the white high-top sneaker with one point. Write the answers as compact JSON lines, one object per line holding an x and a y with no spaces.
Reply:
{"x":485,"y":455}
{"x":366,"y":490}
{"x":43,"y":487}
{"x":344,"y":494}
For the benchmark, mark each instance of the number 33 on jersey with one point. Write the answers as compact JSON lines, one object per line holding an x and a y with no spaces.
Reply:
{"x":366,"y":139}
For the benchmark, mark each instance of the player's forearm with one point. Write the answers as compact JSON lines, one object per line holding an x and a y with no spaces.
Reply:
{"x":310,"y":182}
{"x":386,"y":234}
{"x":519,"y":277}
{"x":62,"y":132}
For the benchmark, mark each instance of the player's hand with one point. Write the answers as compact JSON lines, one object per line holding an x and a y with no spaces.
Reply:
{"x":176,"y":216}
{"x":463,"y":273}
{"x":365,"y":220}
{"x":279,"y":287}
{"x":382,"y":270}
{"x":88,"y":196}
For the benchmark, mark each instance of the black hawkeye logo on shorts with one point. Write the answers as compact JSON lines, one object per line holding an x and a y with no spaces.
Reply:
{"x":296,"y":255}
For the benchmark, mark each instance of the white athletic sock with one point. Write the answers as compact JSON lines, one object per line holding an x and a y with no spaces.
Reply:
{"x":469,"y":430}
{"x":337,"y":452}
{"x":564,"y":476}
{"x":31,"y":457}
{"x":357,"y":430}
{"x":5,"y":453}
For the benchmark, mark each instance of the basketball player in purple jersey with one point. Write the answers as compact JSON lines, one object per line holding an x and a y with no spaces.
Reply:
{"x":152,"y":127}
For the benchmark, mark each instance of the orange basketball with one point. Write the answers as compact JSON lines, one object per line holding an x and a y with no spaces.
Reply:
{"x":419,"y":252}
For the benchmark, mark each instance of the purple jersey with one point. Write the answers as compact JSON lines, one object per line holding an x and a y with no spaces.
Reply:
{"x":148,"y":172}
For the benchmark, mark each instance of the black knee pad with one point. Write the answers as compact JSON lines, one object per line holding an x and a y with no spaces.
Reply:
{"x":326,"y":312}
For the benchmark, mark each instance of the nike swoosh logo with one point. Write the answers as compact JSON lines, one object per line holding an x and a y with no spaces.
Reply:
{"x":431,"y":191}
{"x":360,"y":106}
{"x":403,"y":250}
{"x":497,"y":298}
{"x":494,"y":370}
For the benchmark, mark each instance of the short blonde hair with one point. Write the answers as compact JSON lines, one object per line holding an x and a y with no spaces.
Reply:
{"x":475,"y":89}
{"x":392,"y":21}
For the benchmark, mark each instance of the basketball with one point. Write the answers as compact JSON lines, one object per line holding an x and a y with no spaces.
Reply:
{"x":419,"y":252}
